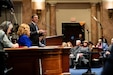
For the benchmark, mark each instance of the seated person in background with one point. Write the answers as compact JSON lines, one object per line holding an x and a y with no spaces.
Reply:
{"x":73,"y":51}
{"x":104,"y":39}
{"x":64,"y":44}
{"x":102,"y":44}
{"x":68,"y":44}
{"x":5,"y":30}
{"x":24,"y":33}
{"x":107,"y":53}
{"x":82,"y":53}
{"x":80,"y":37}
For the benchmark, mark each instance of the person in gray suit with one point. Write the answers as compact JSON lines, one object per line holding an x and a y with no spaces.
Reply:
{"x":5,"y":30}
{"x":73,"y":52}
{"x":82,"y":54}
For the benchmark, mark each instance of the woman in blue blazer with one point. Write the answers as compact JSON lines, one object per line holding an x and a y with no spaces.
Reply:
{"x":24,"y":33}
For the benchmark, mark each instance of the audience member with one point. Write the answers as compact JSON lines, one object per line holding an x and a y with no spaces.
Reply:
{"x":5,"y":30}
{"x":73,"y":52}
{"x":24,"y":33}
{"x":102,"y":45}
{"x":64,"y":44}
{"x":35,"y":32}
{"x":110,"y":46}
{"x":107,"y":52}
{"x":82,"y":53}
{"x":68,"y":44}
{"x":104,"y":39}
{"x":81,"y":38}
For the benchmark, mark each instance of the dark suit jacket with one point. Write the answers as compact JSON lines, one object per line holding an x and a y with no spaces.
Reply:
{"x":108,"y":67}
{"x":34,"y":36}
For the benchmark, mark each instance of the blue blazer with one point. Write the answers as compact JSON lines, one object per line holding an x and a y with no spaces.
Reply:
{"x":24,"y":40}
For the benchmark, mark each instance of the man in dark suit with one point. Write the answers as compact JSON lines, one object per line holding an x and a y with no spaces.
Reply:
{"x":35,"y":31}
{"x":108,"y":67}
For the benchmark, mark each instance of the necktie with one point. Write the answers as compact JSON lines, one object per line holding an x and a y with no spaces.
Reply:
{"x":36,"y":27}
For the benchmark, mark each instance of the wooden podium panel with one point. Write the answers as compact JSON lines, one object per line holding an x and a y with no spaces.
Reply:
{"x":50,"y":60}
{"x":54,"y":40}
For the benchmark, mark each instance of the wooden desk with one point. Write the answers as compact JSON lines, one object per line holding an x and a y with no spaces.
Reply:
{"x":50,"y":60}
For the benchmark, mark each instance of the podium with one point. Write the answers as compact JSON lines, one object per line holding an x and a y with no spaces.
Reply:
{"x":54,"y":40}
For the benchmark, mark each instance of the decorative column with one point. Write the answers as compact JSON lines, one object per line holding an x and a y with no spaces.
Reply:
{"x":26,"y":16}
{"x":42,"y":20}
{"x":52,"y":19}
{"x":94,"y":26}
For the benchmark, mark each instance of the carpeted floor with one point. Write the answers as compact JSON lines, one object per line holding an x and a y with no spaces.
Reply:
{"x":97,"y":71}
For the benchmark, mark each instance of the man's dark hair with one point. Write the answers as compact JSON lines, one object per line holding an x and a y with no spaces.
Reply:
{"x":34,"y":15}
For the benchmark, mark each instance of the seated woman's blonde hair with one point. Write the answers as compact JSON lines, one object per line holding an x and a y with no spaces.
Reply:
{"x":23,"y":29}
{"x":68,"y":44}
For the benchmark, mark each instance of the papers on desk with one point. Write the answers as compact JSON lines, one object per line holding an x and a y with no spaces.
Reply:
{"x":67,"y":47}
{"x":34,"y":47}
{"x":46,"y":47}
{"x":49,"y":47}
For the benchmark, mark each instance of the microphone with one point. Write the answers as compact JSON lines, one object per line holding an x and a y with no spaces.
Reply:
{"x":97,"y":21}
{"x":94,"y":18}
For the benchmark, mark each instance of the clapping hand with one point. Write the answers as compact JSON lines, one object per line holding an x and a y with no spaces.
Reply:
{"x":42,"y":31}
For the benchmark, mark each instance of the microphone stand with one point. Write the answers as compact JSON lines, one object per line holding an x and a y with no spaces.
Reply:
{"x":89,"y":72}
{"x":12,"y":12}
{"x":101,"y":29}
{"x":99,"y":24}
{"x":88,"y":34}
{"x":14,"y":35}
